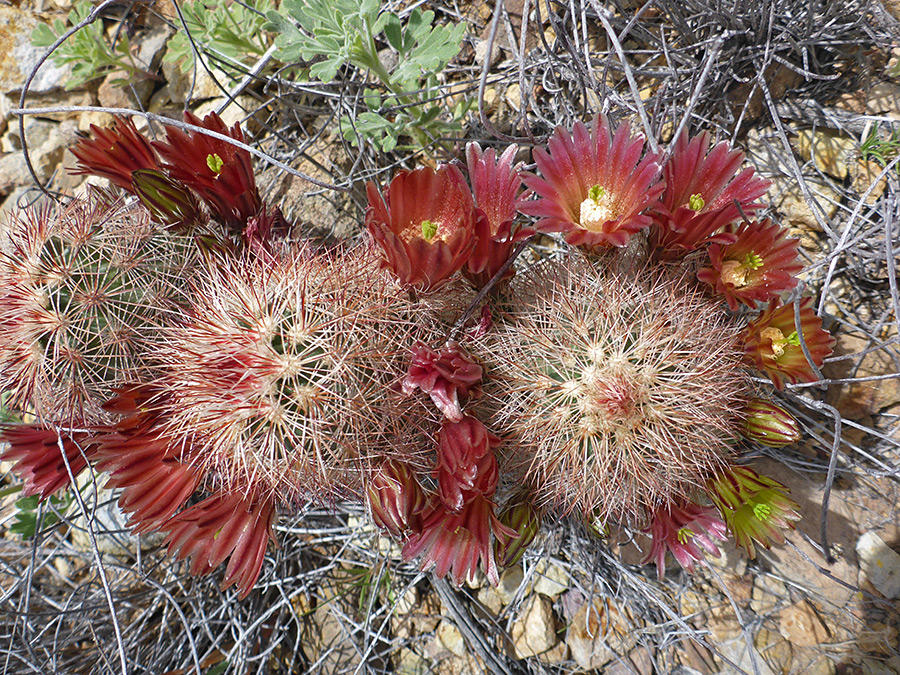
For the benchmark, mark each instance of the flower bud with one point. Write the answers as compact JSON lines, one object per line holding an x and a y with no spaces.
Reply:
{"x":769,"y":424}
{"x":395,"y":499}
{"x":168,"y":200}
{"x":525,"y":520}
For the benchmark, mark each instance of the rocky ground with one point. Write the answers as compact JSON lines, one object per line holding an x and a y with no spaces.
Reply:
{"x":336,"y":597}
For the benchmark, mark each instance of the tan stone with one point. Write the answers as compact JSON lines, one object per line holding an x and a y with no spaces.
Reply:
{"x":550,"y":579}
{"x":534,"y":630}
{"x":769,"y":593}
{"x":450,"y":638}
{"x":776,"y":651}
{"x":802,"y":625}
{"x":860,"y":399}
{"x":598,"y":632}
{"x":830,"y":150}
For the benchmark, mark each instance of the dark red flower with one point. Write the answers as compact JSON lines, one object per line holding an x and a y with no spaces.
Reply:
{"x":115,"y":153}
{"x":497,"y":187}
{"x":756,"y":267}
{"x":466,"y":465}
{"x":219,"y":172}
{"x":772,"y":344}
{"x":448,"y":376}
{"x":594,"y":186}
{"x":459,"y":541}
{"x":224,"y":526}
{"x":704,"y":193}
{"x":37,"y":455}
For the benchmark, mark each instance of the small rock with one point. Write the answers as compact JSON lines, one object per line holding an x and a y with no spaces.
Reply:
{"x":514,"y":96}
{"x":747,"y":659}
{"x":550,"y":579}
{"x":510,"y":581}
{"x":450,"y":638}
{"x":20,"y":56}
{"x":637,"y":662}
{"x":407,"y":662}
{"x":534,"y":630}
{"x":597,"y":633}
{"x":697,"y":657}
{"x":880,"y":563}
{"x":768,"y":594}
{"x":884,"y":98}
{"x":776,"y":651}
{"x":856,"y":400}
{"x":6,"y":105}
{"x":794,"y":208}
{"x":722,"y":623}
{"x":490,"y":600}
{"x":802,"y":626}
{"x":830,"y":151}
{"x":556,"y":654}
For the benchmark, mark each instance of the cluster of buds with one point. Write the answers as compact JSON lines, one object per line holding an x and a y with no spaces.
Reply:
{"x":217,"y":371}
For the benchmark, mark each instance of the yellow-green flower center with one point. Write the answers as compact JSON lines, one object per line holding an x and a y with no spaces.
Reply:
{"x":696,"y":202}
{"x":215,"y":163}
{"x":779,"y":340}
{"x":736,"y":272}
{"x":429,"y":229}
{"x":597,"y":209}
{"x":685,"y":534}
{"x":762,"y":512}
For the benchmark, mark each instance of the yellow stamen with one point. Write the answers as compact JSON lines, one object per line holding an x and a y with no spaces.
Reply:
{"x":696,"y":202}
{"x":215,"y":163}
{"x":429,"y":229}
{"x":597,"y":209}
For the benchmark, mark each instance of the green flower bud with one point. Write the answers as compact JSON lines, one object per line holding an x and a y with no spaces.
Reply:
{"x":769,"y":424}
{"x":524,"y":519}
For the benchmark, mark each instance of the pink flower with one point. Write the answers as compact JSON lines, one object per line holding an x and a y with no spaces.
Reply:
{"x":594,"y":185}
{"x":224,"y":526}
{"x":679,"y":529}
{"x":395,"y":499}
{"x":757,"y":266}
{"x":448,"y":376}
{"x":755,"y":507}
{"x":459,"y":541}
{"x":496,"y":185}
{"x":704,"y":192}
{"x":424,"y":225}
{"x":466,"y":466}
{"x":772,"y":344}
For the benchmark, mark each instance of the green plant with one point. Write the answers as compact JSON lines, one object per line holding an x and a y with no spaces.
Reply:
{"x":232,"y":33}
{"x":25,"y":517}
{"x":87,"y":50}
{"x":881,"y":150}
{"x":349,"y":32}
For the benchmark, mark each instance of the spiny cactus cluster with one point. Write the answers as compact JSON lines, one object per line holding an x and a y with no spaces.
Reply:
{"x":182,"y":341}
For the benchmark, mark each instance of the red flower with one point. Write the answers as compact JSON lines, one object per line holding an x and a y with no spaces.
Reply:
{"x":466,"y":465}
{"x":115,"y":153}
{"x":757,"y":266}
{"x":168,"y":201}
{"x":772,"y":344}
{"x":496,"y":185}
{"x":594,"y":185}
{"x":704,"y":192}
{"x":395,"y":499}
{"x":224,"y":526}
{"x":424,"y":225}
{"x":221,"y":173}
{"x":679,"y":529}
{"x":459,"y":541}
{"x":755,"y":507}
{"x":447,"y":376}
{"x":38,"y":460}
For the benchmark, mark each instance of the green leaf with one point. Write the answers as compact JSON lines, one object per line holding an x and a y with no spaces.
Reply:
{"x":393,"y":31}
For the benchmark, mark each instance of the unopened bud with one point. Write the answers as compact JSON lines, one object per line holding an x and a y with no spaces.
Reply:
{"x":168,"y":200}
{"x":769,"y":424}
{"x":395,"y":499}
{"x":525,"y":521}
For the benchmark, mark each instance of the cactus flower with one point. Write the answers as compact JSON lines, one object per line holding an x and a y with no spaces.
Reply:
{"x":679,"y":529}
{"x":754,"y":507}
{"x":772,"y":344}
{"x":424,"y":225}
{"x":395,"y":499}
{"x":757,"y":266}
{"x":594,"y":186}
